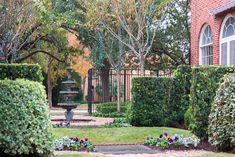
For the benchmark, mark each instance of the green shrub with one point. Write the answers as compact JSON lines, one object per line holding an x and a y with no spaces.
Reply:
{"x":24,"y":119}
{"x":111,"y":115}
{"x":21,"y":71}
{"x":111,"y":107}
{"x":189,"y":118}
{"x":221,"y":128}
{"x":205,"y":82}
{"x":154,"y":102}
{"x":183,"y":76}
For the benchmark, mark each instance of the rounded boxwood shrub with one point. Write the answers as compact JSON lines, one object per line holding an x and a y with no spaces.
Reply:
{"x":221,"y":128}
{"x":24,"y":119}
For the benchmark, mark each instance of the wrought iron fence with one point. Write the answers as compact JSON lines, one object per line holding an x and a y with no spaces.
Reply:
{"x":106,"y":91}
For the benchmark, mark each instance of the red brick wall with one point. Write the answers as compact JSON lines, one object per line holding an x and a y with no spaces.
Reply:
{"x":200,"y":16}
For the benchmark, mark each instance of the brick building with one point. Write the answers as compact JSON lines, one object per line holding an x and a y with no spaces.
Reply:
{"x":213,"y":32}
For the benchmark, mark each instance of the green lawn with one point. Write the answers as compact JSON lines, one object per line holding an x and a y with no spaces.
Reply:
{"x":131,"y":135}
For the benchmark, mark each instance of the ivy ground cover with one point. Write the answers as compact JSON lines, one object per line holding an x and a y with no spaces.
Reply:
{"x":131,"y":135}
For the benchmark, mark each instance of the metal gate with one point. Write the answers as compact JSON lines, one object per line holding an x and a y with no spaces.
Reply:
{"x":98,"y":94}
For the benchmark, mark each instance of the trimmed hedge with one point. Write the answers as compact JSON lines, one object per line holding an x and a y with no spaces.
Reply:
{"x":183,"y":75}
{"x":31,"y":72}
{"x":154,"y":102}
{"x":205,"y":82}
{"x":24,"y":119}
{"x":221,"y":128}
{"x":111,"y":107}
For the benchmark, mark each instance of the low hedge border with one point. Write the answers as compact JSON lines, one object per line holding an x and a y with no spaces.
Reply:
{"x":111,"y":107}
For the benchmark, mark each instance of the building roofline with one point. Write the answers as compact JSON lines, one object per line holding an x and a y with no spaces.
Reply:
{"x":223,"y":8}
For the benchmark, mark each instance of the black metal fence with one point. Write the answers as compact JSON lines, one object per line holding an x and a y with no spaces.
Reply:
{"x":102,"y":89}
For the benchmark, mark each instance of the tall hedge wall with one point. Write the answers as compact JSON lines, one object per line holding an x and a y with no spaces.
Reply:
{"x":205,"y":82}
{"x":154,"y":102}
{"x":31,"y":72}
{"x":183,"y":76}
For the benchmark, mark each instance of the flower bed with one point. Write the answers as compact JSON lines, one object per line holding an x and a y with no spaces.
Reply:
{"x":74,"y":144}
{"x":165,"y":141}
{"x":62,"y":125}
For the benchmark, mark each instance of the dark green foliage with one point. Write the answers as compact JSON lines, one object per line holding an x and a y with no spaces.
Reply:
{"x":111,"y":107}
{"x":21,"y":71}
{"x":111,"y":115}
{"x":189,"y":120}
{"x":154,"y":102}
{"x":205,"y":82}
{"x":183,"y":75}
{"x":25,"y":121}
{"x":221,"y":128}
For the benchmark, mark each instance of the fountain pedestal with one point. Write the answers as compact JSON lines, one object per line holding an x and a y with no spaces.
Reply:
{"x":69,"y":94}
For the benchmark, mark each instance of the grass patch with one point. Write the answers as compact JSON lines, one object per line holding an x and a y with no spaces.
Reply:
{"x":131,"y":135}
{"x":218,"y":155}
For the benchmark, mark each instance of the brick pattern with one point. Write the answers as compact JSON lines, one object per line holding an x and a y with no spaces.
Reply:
{"x":200,"y":16}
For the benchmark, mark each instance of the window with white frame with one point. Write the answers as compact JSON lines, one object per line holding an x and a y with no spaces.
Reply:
{"x":206,"y":51}
{"x":227,"y":41}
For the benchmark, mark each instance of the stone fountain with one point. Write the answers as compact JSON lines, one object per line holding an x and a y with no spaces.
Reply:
{"x":69,"y":94}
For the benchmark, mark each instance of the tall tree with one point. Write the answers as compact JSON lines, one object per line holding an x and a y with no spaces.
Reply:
{"x":17,"y":24}
{"x":173,"y":34}
{"x":137,"y":19}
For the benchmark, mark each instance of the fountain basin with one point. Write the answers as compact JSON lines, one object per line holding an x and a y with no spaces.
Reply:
{"x":68,"y":113}
{"x":69,"y":106}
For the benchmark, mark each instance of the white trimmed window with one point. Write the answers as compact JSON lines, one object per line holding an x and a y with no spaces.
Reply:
{"x":206,"y":50}
{"x":227,"y":41}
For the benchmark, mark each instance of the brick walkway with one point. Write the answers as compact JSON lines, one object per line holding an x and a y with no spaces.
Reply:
{"x":85,"y":119}
{"x":191,"y":153}
{"x":125,"y":149}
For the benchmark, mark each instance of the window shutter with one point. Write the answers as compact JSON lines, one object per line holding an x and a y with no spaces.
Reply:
{"x":224,"y":54}
{"x":232,"y":52}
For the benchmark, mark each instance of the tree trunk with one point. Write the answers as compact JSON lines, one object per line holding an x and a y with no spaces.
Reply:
{"x":104,"y":74}
{"x":49,"y":94}
{"x":83,"y":87}
{"x":118,"y":89}
{"x":142,"y":65}
{"x":49,"y":85}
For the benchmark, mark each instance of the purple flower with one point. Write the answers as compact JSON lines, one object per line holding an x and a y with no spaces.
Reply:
{"x":75,"y":139}
{"x":81,"y":141}
{"x":170,"y":140}
{"x":176,"y":138}
{"x":165,"y":134}
{"x":161,"y":136}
